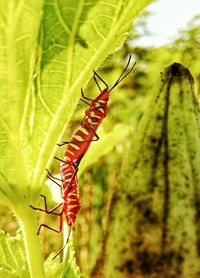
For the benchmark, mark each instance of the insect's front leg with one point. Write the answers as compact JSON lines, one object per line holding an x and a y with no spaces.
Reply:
{"x":52,"y":229}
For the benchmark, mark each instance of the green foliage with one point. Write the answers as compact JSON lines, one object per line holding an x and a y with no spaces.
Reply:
{"x":69,"y":269}
{"x":48,"y":50}
{"x":12,"y":259}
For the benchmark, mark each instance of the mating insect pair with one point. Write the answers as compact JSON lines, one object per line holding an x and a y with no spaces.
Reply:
{"x":76,"y":149}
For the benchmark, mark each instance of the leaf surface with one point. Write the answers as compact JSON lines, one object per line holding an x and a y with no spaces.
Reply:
{"x":13,"y":262}
{"x":75,"y":39}
{"x":48,"y":51}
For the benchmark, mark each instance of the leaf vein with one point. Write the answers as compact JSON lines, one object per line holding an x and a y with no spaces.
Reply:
{"x":45,"y":105}
{"x":69,"y":56}
{"x":42,"y":130}
{"x":60,"y":19}
{"x":98,"y":31}
{"x":23,"y":37}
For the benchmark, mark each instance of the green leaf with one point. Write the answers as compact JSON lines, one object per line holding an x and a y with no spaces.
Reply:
{"x":13,"y":262}
{"x":68,"y":268}
{"x":48,"y":50}
{"x":41,"y":81}
{"x":71,"y":269}
{"x":19,"y":26}
{"x":53,"y":268}
{"x":76,"y":37}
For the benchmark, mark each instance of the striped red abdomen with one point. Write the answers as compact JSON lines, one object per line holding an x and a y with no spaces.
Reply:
{"x":82,"y":138}
{"x":72,"y":205}
{"x":70,"y":191}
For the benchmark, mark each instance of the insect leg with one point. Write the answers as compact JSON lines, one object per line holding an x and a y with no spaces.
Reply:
{"x":52,"y":178}
{"x":63,"y":245}
{"x":85,"y":101}
{"x":94,"y":132}
{"x":57,"y":158}
{"x":54,"y":230}
{"x":75,"y":172}
{"x":51,"y":211}
{"x":67,"y":142}
{"x":49,"y":174}
{"x":62,"y":144}
{"x":86,"y":98}
{"x":54,"y":181}
{"x":74,"y":142}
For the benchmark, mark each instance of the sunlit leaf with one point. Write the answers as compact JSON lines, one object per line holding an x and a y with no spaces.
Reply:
{"x":48,"y":50}
{"x":13,"y":262}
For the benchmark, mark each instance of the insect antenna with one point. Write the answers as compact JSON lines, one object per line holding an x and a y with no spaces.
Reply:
{"x":63,"y":245}
{"x":96,"y":74}
{"x":122,"y":76}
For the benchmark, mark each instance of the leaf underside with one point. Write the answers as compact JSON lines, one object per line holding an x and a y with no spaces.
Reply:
{"x":48,"y":51}
{"x":45,"y":60}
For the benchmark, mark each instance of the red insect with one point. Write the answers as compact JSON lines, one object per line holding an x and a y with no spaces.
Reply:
{"x":70,"y":205}
{"x":77,"y":148}
{"x":94,"y":115}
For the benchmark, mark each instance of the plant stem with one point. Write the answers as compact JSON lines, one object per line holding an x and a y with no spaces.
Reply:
{"x":29,"y":227}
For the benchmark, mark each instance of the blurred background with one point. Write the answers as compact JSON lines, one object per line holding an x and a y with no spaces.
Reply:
{"x":155,"y":42}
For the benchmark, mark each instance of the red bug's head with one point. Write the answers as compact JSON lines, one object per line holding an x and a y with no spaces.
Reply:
{"x":100,"y":101}
{"x":104,"y":96}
